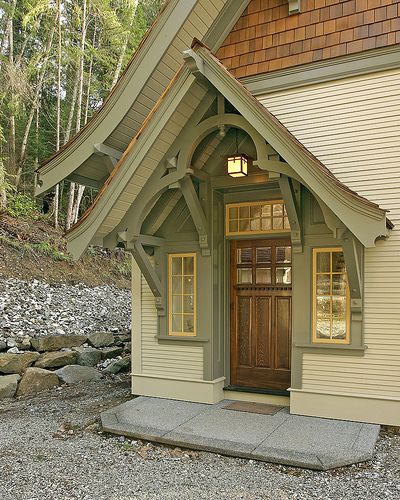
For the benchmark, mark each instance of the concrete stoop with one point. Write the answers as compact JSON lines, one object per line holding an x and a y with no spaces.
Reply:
{"x":309,"y":442}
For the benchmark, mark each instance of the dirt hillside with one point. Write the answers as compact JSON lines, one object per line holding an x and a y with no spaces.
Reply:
{"x":33,"y":249}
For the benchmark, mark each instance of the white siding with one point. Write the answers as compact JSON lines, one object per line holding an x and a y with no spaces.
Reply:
{"x":179,"y":361}
{"x":353,"y":127}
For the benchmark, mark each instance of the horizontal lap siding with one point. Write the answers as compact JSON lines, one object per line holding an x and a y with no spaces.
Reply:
{"x":183,"y":362}
{"x":353,"y":127}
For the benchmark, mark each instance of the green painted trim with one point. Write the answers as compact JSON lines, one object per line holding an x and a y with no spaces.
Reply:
{"x":318,"y":348}
{"x":365,"y":221}
{"x":183,"y":340}
{"x":86,"y":181}
{"x":226,"y":20}
{"x":293,"y":211}
{"x":361,"y":63}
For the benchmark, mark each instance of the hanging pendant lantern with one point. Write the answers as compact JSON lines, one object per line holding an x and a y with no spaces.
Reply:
{"x":237,"y":164}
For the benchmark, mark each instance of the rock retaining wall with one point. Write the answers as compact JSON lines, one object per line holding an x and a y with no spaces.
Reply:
{"x":45,"y":362}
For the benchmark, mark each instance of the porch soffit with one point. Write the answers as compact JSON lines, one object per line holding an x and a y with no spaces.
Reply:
{"x":147,"y":75}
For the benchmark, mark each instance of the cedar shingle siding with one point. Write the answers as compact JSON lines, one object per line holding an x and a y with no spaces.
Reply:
{"x":266,"y":38}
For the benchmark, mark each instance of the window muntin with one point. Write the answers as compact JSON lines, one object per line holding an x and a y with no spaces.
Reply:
{"x":257,"y":217}
{"x":331,"y":297}
{"x":182,"y":294}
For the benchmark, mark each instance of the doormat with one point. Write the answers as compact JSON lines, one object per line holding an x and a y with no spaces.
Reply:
{"x":262,"y":408}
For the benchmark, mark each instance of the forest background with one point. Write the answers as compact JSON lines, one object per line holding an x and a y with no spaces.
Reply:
{"x":58,"y":61}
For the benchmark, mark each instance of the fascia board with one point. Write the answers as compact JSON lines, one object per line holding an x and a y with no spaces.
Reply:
{"x":81,"y":235}
{"x":103,"y":123}
{"x":364,"y":219}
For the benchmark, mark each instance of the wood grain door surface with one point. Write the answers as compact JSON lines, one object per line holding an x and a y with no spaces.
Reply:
{"x":261,"y":303}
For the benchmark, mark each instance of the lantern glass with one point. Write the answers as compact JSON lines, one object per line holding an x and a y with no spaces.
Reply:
{"x":237,"y":165}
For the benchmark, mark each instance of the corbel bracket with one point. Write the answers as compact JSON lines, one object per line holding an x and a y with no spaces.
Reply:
{"x":197,"y":213}
{"x":352,"y":250}
{"x":150,"y":275}
{"x":293,"y":211}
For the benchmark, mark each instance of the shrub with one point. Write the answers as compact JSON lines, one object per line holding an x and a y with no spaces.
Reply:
{"x":21,"y":205}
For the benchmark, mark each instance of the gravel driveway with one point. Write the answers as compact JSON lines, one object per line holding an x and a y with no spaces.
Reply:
{"x":52,"y":448}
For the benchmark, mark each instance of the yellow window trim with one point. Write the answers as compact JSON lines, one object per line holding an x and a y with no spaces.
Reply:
{"x":316,"y":340}
{"x":252,"y":204}
{"x":170,"y":331}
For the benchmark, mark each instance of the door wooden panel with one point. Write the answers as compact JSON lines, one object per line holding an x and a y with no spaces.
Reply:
{"x":261,"y":313}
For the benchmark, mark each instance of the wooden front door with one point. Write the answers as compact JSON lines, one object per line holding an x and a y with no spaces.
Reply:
{"x":261,"y":310}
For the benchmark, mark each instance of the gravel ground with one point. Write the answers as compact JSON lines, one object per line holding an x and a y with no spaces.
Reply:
{"x":38,"y":308}
{"x":52,"y":448}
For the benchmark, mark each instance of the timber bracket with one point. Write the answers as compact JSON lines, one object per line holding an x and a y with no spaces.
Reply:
{"x":293,"y":211}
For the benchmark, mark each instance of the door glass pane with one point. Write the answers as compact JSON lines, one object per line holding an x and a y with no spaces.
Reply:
{"x":176,"y":265}
{"x":244,"y":225}
{"x":245,"y":255}
{"x":283,"y":275}
{"x":323,"y":325}
{"x":188,"y":265}
{"x":176,"y":304}
{"x":283,"y":255}
{"x":263,"y":254}
{"x":277,"y":209}
{"x":176,"y":284}
{"x":188,"y":285}
{"x":323,"y":284}
{"x":188,"y":323}
{"x":323,"y":262}
{"x":177,"y":323}
{"x":244,"y":276}
{"x":277,"y":223}
{"x":338,"y":262}
{"x":338,"y":284}
{"x":263,"y":275}
{"x":188,"y":304}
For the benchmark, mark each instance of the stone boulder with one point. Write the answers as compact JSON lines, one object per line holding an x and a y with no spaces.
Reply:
{"x":8,"y":385}
{"x":128,"y":347}
{"x":123,"y":337}
{"x":24,"y":344}
{"x":87,"y":356}
{"x":56,"y":359}
{"x":36,"y":380}
{"x":17,"y":363}
{"x":57,"y":342}
{"x":101,"y":339}
{"x":111,"y":352}
{"x":121,"y":365}
{"x":72,"y":374}
{"x":3,"y":346}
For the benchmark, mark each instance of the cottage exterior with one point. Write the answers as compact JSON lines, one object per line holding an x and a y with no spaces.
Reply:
{"x":281,"y":283}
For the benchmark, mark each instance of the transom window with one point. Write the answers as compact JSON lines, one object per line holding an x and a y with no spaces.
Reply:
{"x":257,"y":217}
{"x":331,"y":297}
{"x":182,"y":294}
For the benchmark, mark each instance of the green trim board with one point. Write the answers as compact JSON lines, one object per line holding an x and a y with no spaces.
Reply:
{"x":336,"y":68}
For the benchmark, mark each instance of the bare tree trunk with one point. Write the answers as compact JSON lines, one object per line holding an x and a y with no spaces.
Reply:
{"x":35,"y":105}
{"x":78,"y":199}
{"x":89,"y":80}
{"x":125,"y":45}
{"x":3,"y":192}
{"x":12,"y":134}
{"x":58,"y":124}
{"x":73,"y":206}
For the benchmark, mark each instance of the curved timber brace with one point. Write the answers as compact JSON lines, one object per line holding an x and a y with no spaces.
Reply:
{"x":196,"y":212}
{"x":293,"y":211}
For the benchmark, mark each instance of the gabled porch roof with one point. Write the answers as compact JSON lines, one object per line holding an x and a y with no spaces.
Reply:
{"x":180,"y":109}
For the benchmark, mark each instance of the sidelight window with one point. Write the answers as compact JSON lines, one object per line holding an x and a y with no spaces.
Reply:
{"x":182,"y":294}
{"x":331,"y":297}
